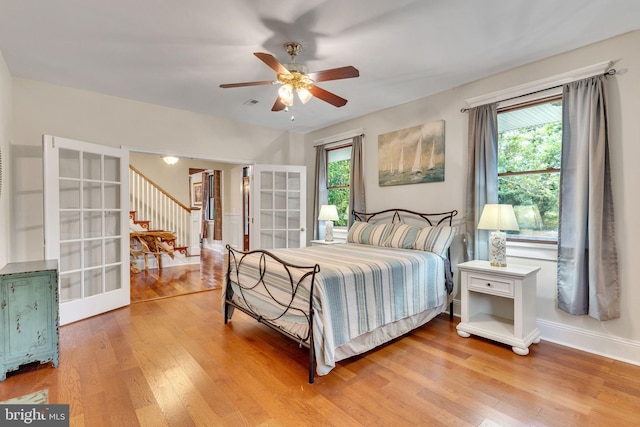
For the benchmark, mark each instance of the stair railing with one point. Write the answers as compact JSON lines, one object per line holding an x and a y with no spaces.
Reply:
{"x":154,"y":204}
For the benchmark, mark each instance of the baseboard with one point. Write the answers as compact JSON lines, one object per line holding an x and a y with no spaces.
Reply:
{"x":457,"y":308}
{"x":616,"y":348}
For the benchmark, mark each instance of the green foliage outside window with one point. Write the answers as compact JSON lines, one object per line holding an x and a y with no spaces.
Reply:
{"x":338,"y":173}
{"x":533,"y":195}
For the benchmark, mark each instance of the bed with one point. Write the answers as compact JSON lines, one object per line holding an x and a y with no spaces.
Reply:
{"x":391,"y":276}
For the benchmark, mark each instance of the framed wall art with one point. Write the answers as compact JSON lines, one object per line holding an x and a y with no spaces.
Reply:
{"x":412,"y":156}
{"x":196,"y":194}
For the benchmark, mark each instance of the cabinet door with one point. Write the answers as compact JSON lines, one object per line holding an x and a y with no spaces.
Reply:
{"x":28,"y":315}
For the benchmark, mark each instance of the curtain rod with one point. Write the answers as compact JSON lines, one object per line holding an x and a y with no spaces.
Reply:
{"x":611,"y":72}
{"x":339,"y":140}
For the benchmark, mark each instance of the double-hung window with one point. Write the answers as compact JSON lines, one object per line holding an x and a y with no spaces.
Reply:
{"x":338,"y":181}
{"x":529,"y":153}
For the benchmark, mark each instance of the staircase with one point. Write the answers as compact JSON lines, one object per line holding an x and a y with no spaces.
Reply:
{"x":166,"y":221}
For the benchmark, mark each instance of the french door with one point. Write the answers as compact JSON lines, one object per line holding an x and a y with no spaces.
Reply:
{"x":279,"y":207}
{"x":86,"y":189}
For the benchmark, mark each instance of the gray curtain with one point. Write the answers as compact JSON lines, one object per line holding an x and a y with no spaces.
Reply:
{"x":587,"y":256}
{"x":319,"y":191}
{"x":482,"y":176}
{"x":357,"y":201}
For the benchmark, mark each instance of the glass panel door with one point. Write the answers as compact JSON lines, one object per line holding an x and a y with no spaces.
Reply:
{"x":86,"y":213}
{"x":280,"y":207}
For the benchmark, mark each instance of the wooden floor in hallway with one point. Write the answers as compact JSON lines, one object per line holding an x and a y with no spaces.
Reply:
{"x":180,"y":279}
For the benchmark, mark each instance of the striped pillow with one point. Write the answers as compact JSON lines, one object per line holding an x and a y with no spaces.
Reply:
{"x":402,"y":236}
{"x":369,"y":234}
{"x":435,"y":239}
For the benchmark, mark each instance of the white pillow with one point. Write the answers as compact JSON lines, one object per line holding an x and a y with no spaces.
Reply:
{"x":402,"y":236}
{"x":435,"y":239}
{"x":136,"y":228}
{"x":369,"y":234}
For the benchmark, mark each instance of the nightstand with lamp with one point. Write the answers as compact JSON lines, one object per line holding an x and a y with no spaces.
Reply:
{"x":499,"y":301}
{"x":328,"y":213}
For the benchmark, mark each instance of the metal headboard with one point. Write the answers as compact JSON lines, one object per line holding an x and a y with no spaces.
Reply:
{"x":398,"y":215}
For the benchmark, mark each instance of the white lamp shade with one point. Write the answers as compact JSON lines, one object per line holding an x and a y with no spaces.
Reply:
{"x":286,"y":95}
{"x":328,"y":213}
{"x":304,"y":95}
{"x":498,"y":217}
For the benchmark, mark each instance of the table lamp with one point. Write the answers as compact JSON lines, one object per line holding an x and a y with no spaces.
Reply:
{"x":498,"y":218}
{"x":328,"y":213}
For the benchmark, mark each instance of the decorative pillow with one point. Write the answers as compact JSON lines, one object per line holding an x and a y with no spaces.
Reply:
{"x":136,"y":228}
{"x":369,"y":234}
{"x":435,"y":239}
{"x":402,"y":236}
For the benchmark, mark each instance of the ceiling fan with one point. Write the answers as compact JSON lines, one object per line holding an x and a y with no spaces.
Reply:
{"x":296,"y":78}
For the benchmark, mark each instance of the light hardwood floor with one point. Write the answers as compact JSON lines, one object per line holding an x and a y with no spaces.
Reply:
{"x":179,"y":280}
{"x":174,"y":362}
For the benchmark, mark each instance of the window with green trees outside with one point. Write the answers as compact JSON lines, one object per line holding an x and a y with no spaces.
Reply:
{"x":529,"y":153}
{"x":338,"y":177}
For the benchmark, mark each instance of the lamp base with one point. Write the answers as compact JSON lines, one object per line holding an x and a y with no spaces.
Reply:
{"x":328,"y":231}
{"x":498,"y":240}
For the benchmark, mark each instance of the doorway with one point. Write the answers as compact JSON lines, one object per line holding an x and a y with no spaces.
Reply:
{"x":246,"y":192}
{"x":176,"y":180}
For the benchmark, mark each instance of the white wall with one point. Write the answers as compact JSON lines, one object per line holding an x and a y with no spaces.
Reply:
{"x":174,"y":179}
{"x":5,"y":179}
{"x":618,"y":338}
{"x":41,"y":108}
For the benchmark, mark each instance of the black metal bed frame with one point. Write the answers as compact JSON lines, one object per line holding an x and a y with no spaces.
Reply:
{"x":236,"y":259}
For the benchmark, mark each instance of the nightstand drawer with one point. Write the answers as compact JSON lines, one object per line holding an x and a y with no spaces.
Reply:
{"x":491,"y":285}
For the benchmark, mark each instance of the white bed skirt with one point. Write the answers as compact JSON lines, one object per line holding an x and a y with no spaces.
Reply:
{"x":386,"y":333}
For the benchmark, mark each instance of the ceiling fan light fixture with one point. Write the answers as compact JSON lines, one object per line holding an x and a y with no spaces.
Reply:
{"x":304,"y":95}
{"x":295,"y":77}
{"x":286,"y":94}
{"x":170,"y":160}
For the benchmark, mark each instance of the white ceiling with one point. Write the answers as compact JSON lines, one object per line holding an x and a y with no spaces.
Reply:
{"x":177,"y":53}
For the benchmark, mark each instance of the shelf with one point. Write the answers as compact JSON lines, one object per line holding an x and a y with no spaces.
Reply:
{"x":493,"y":325}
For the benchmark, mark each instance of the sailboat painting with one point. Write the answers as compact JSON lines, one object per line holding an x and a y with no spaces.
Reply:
{"x":412,"y":156}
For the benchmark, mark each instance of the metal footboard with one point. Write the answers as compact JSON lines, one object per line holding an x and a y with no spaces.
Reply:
{"x":261,"y":275}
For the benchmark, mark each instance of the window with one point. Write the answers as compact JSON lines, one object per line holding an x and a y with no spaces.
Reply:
{"x":211,"y":211}
{"x":529,"y":154}
{"x":338,"y":177}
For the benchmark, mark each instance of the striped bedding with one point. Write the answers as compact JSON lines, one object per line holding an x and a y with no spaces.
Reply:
{"x":359,"y":289}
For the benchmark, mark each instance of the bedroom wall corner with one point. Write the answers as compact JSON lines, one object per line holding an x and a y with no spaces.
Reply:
{"x":6,"y":123}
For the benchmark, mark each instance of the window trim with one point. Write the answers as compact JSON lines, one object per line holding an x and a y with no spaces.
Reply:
{"x":523,"y":91}
{"x":211,"y":196}
{"x":327,"y":149}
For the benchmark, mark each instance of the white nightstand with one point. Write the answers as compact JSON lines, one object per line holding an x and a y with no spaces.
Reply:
{"x":499,"y":303}
{"x":324,"y":242}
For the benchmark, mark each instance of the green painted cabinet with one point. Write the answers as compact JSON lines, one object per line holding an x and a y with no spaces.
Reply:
{"x":28,"y":314}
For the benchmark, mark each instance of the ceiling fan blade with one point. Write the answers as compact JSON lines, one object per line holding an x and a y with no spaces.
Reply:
{"x":327,"y":96}
{"x":278,"y":105}
{"x":272,"y":62}
{"x":347,"y":72}
{"x":264,"y":82}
